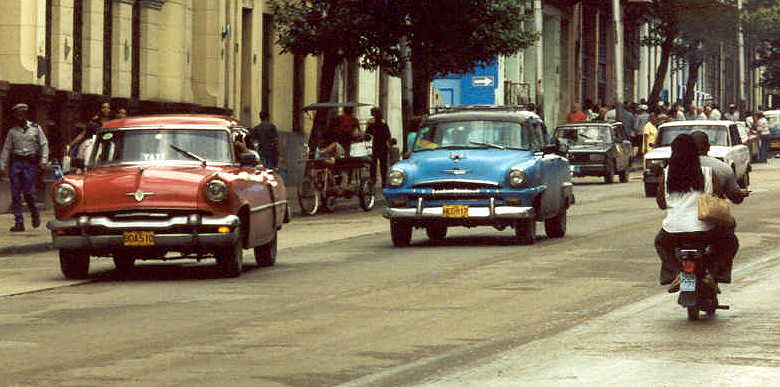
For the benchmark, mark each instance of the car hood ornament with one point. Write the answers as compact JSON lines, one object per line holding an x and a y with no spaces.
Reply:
{"x":139,"y":195}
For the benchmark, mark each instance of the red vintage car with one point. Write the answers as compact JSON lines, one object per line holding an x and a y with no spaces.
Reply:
{"x":159,"y":185}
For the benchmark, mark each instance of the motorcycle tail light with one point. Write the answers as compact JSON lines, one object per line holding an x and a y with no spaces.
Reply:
{"x":689,"y":266}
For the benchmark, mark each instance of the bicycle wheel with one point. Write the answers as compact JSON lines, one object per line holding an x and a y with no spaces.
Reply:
{"x":308,"y":196}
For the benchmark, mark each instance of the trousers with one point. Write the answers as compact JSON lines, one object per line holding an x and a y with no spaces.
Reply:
{"x":381,"y":159}
{"x":724,"y":245}
{"x":23,"y":176}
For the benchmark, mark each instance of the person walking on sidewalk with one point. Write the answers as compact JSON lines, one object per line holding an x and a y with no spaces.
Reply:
{"x":265,"y":137}
{"x":25,"y":151}
{"x":380,"y":133}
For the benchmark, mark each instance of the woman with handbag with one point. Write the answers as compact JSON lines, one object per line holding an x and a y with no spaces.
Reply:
{"x":684,"y":183}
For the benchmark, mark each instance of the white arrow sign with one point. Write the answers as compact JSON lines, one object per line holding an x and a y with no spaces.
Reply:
{"x":482,"y":81}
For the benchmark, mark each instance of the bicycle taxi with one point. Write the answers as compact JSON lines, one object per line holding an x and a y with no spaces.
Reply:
{"x":331,"y":174}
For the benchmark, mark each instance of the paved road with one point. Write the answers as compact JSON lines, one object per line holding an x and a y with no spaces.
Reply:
{"x":343,"y":306}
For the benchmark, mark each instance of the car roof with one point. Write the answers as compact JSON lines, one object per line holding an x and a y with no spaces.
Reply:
{"x":697,"y":123}
{"x":489,"y":115}
{"x":173,"y":120}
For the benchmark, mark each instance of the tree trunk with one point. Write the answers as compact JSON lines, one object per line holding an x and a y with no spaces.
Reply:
{"x":660,"y":74}
{"x":420,"y":89}
{"x":690,"y":86}
{"x":330,"y":62}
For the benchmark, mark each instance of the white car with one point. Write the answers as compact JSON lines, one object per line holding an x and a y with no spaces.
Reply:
{"x":725,"y":145}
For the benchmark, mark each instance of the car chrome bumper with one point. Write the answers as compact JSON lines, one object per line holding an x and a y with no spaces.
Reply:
{"x":588,"y":169}
{"x":503,"y":212}
{"x":102,"y":233}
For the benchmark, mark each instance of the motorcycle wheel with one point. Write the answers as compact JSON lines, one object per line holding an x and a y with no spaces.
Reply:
{"x":308,"y":197}
{"x":366,"y":195}
{"x":693,"y":313}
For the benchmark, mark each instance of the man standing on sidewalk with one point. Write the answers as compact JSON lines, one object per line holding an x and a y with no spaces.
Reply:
{"x":265,"y":137}
{"x":25,"y":151}
{"x":380,"y":133}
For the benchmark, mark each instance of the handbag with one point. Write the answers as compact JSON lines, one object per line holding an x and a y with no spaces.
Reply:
{"x":714,"y":209}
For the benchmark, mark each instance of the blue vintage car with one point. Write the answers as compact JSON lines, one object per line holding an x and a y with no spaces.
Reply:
{"x":479,"y":167}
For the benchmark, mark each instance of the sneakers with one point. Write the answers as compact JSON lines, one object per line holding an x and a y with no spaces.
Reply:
{"x":19,"y":227}
{"x":674,"y":287}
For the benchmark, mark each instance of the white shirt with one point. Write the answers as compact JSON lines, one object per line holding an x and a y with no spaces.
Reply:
{"x":715,"y":114}
{"x":682,"y":208}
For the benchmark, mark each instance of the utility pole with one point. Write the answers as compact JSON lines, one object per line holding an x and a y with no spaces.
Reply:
{"x":741,"y":75}
{"x":619,"y":96}
{"x":539,"y":25}
{"x":407,"y":83}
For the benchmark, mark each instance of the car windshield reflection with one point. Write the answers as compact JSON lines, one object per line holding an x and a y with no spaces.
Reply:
{"x":159,"y":145}
{"x":584,"y":135}
{"x":474,"y":134}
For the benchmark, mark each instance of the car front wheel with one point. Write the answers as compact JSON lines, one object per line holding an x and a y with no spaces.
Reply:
{"x":265,"y":255}
{"x":436,"y":232}
{"x":74,"y":264}
{"x":124,"y":262}
{"x":556,"y":227}
{"x":651,"y":189}
{"x":609,"y":175}
{"x":525,"y":231}
{"x":401,"y":233}
{"x":231,"y":260}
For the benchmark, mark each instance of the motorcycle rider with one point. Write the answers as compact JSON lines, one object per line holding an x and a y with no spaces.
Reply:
{"x":680,"y":185}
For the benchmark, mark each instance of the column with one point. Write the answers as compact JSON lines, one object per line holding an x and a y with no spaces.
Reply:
{"x":150,"y":49}
{"x":121,"y":47}
{"x":174,"y":52}
{"x":62,"y":45}
{"x":207,"y":53}
{"x":19,"y":21}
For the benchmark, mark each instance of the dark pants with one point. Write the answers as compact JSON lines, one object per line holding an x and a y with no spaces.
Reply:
{"x":724,"y":245}
{"x":381,"y":159}
{"x":24,"y":176}
{"x":269,"y":160}
{"x":763,"y":149}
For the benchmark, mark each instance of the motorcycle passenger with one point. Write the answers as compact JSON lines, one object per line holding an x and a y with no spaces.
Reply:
{"x":680,"y":185}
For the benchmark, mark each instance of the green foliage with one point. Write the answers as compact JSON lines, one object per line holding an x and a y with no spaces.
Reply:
{"x":451,"y":36}
{"x":761,"y":22}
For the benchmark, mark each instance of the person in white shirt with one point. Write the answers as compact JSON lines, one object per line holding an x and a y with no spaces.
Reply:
{"x":715,"y":114}
{"x":759,"y":124}
{"x":733,"y":113}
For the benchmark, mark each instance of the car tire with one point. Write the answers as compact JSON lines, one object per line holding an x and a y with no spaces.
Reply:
{"x":308,"y":197}
{"x":265,"y":255}
{"x":651,"y":189}
{"x":609,"y":175}
{"x":124,"y":262}
{"x":74,"y":264}
{"x":744,"y":182}
{"x":400,"y":233}
{"x":556,"y":227}
{"x":366,"y":195}
{"x":436,"y":232}
{"x":525,"y":231}
{"x":623,"y":175}
{"x":231,"y":260}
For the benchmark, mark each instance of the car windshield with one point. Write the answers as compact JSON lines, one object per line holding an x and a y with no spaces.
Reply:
{"x":474,"y":134}
{"x":156,"y":145}
{"x":584,"y":135}
{"x":717,"y":134}
{"x":773,"y":120}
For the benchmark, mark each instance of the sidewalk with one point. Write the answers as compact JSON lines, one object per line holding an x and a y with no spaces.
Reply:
{"x":38,"y":240}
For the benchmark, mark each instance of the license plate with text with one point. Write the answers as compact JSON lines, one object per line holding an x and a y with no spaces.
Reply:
{"x":455,"y":211}
{"x":688,"y":283}
{"x":138,"y":238}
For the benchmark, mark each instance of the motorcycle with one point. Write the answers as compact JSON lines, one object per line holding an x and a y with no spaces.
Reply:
{"x":696,"y":294}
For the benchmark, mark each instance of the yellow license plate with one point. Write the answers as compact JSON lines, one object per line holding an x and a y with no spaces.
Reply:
{"x":138,"y":238}
{"x":455,"y":211}
{"x":774,"y":144}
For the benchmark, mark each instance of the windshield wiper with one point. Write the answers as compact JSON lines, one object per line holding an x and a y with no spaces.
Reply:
{"x":189,"y":154}
{"x":488,"y":145}
{"x":584,"y":136}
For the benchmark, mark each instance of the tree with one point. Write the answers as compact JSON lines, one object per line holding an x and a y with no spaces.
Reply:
{"x":689,"y":30}
{"x":761,"y":22}
{"x":444,"y":36}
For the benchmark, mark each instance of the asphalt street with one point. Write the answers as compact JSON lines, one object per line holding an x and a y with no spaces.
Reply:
{"x":342,"y":306}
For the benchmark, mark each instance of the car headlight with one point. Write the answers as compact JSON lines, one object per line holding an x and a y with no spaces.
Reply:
{"x":596,"y":157}
{"x":396,"y":178}
{"x":655,"y":163}
{"x":516,"y":177}
{"x":216,"y":190}
{"x":64,"y":194}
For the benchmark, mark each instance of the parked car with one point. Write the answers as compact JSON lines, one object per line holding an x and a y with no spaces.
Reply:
{"x":157,"y":185}
{"x":479,"y":167}
{"x":773,"y":117}
{"x":749,"y":139}
{"x":725,"y":145}
{"x":597,"y":149}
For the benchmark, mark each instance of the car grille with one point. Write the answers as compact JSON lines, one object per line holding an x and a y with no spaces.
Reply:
{"x":456,"y":185}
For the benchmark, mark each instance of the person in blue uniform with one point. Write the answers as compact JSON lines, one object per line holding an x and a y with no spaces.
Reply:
{"x":25,"y":151}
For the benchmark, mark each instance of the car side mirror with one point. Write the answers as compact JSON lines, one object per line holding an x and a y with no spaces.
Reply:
{"x":248,"y":159}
